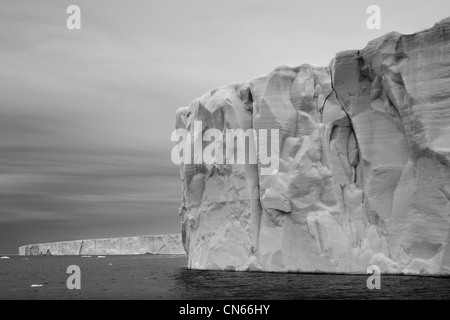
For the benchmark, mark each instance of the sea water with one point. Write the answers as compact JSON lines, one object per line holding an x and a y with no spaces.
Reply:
{"x":167,"y":277}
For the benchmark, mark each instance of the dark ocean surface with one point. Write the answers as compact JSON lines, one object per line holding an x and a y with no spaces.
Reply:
{"x":166,"y":277}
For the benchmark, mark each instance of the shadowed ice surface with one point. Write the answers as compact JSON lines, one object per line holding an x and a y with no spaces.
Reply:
{"x":162,"y":277}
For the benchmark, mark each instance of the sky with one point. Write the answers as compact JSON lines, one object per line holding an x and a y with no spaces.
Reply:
{"x":86,"y":115}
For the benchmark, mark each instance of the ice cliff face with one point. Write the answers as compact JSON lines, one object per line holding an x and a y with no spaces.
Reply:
{"x":363,"y":172}
{"x":154,"y":244}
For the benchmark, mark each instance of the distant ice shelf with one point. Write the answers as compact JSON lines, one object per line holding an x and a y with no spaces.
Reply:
{"x":151,"y":244}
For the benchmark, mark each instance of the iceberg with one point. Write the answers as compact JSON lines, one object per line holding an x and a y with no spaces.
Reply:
{"x":363,"y":176}
{"x":152,"y":244}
